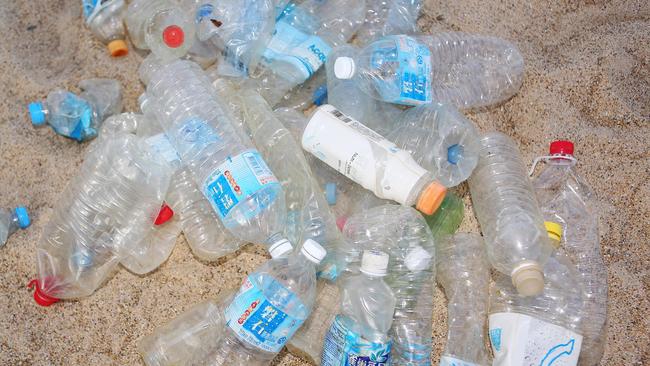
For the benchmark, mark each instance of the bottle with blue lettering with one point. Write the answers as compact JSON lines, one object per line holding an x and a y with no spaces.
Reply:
{"x":104,"y":18}
{"x":359,"y":334}
{"x":11,"y":221}
{"x":271,"y":305}
{"x":79,"y":116}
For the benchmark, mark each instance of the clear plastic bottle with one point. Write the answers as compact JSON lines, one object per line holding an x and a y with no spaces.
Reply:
{"x":231,"y":174}
{"x":370,"y":160}
{"x":507,"y":210}
{"x":100,"y":218}
{"x":311,"y":92}
{"x":386,"y":17}
{"x":271,"y":305}
{"x":440,"y":139}
{"x":11,"y":221}
{"x":566,"y":199}
{"x":467,"y":71}
{"x":403,"y":234}
{"x":359,"y":334}
{"x":78,"y":117}
{"x":104,"y":18}
{"x":464,"y":273}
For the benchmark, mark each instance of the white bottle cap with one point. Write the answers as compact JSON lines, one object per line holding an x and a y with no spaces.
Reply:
{"x":344,"y":67}
{"x":280,"y":248}
{"x":528,"y":278}
{"x":374,"y":263}
{"x":313,"y":251}
{"x":417,"y":259}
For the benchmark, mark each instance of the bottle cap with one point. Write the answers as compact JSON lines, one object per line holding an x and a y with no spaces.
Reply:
{"x":340,"y":222}
{"x":554,"y":231}
{"x":454,"y":153}
{"x":344,"y":68}
{"x":417,"y":259}
{"x":374,"y":263}
{"x":23,"y":217}
{"x":320,"y":95}
{"x":173,"y":36}
{"x":118,"y":48}
{"x":561,"y":147}
{"x":431,"y":198}
{"x":36,"y":113}
{"x":330,"y":193}
{"x":528,"y":278}
{"x":165,"y":214}
{"x":39,"y":296}
{"x":314,"y":252}
{"x":280,"y":248}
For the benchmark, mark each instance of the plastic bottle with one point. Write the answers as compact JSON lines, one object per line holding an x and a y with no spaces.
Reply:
{"x":359,"y":333}
{"x":440,"y":139}
{"x":448,"y":217}
{"x":312,"y":92}
{"x":464,"y":273}
{"x":566,"y":199}
{"x":105,"y":211}
{"x":241,"y":188}
{"x":386,"y":17}
{"x":402,"y":233}
{"x":507,"y":210}
{"x":104,"y":18}
{"x":271,"y":305}
{"x":11,"y":221}
{"x":370,"y":160}
{"x":78,"y":117}
{"x":467,"y":71}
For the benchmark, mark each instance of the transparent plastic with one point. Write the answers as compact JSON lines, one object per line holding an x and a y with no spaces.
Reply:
{"x":10,"y":222}
{"x":105,"y":20}
{"x":506,"y":207}
{"x":385,"y":17}
{"x":565,"y":198}
{"x":311,"y":92}
{"x":448,"y":217}
{"x":464,"y":273}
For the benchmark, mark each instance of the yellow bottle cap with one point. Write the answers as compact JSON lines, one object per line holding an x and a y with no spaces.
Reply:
{"x":554,"y":231}
{"x":118,"y":48}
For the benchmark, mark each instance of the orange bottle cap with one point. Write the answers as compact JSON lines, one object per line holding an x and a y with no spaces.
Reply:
{"x":118,"y":48}
{"x":431,"y":198}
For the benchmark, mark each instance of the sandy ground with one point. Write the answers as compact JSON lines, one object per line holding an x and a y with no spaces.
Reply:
{"x":587,"y":79}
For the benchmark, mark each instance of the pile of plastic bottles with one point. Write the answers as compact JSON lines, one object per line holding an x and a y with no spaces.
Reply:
{"x":331,"y":132}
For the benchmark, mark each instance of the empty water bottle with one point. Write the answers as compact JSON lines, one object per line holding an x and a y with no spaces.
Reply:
{"x":370,"y":160}
{"x":566,"y":199}
{"x":386,"y":17}
{"x":358,"y":335}
{"x":11,"y":221}
{"x":311,"y":92}
{"x":467,"y":71}
{"x":464,"y":273}
{"x":79,"y":117}
{"x":104,"y":18}
{"x":507,"y":210}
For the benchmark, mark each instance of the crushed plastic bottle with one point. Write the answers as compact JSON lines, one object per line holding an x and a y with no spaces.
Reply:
{"x":510,"y":218}
{"x":105,"y":20}
{"x":566,"y":199}
{"x":386,"y":17}
{"x":11,"y":221}
{"x":311,"y":92}
{"x":79,"y":117}
{"x":467,"y":71}
{"x":464,"y":273}
{"x":402,"y":233}
{"x":370,"y":160}
{"x":359,"y":334}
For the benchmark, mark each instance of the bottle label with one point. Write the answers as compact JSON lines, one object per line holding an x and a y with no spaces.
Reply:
{"x":160,"y":145}
{"x":255,"y":320}
{"x":92,"y":7}
{"x":305,"y":53}
{"x":236,"y":179}
{"x":414,"y":69}
{"x":451,"y":361}
{"x":519,"y":339}
{"x":344,"y":347}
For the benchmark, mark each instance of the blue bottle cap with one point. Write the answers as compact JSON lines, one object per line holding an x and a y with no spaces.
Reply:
{"x":36,"y":113}
{"x":454,"y":153}
{"x":330,"y":193}
{"x":320,"y":95}
{"x":23,"y":217}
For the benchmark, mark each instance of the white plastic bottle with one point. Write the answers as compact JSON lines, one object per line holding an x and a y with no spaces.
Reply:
{"x":360,"y":333}
{"x":11,"y":221}
{"x":231,"y":174}
{"x":367,"y":158}
{"x":79,"y":117}
{"x":566,"y":199}
{"x":104,"y":18}
{"x":464,"y":273}
{"x":510,"y":218}
{"x":467,"y":71}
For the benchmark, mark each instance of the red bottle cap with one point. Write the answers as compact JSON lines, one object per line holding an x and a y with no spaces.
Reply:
{"x":561,"y":147}
{"x":165,"y":214}
{"x":340,"y":222}
{"x":173,"y":36}
{"x":40,"y":297}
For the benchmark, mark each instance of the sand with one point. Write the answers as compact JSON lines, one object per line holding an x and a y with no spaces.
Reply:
{"x":587,"y":78}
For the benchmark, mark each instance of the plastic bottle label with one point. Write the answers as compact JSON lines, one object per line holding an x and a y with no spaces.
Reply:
{"x":92,"y":7}
{"x":343,"y":347}
{"x":160,"y":145}
{"x":255,"y":320}
{"x":519,"y":339}
{"x":306,"y":53}
{"x":236,"y":179}
{"x":451,"y":361}
{"x":414,"y":70}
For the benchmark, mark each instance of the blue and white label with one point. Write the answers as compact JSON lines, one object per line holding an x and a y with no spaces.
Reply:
{"x":452,"y":361}
{"x":255,"y":320}
{"x":343,"y":347}
{"x":92,"y":7}
{"x":236,"y":179}
{"x":305,"y":53}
